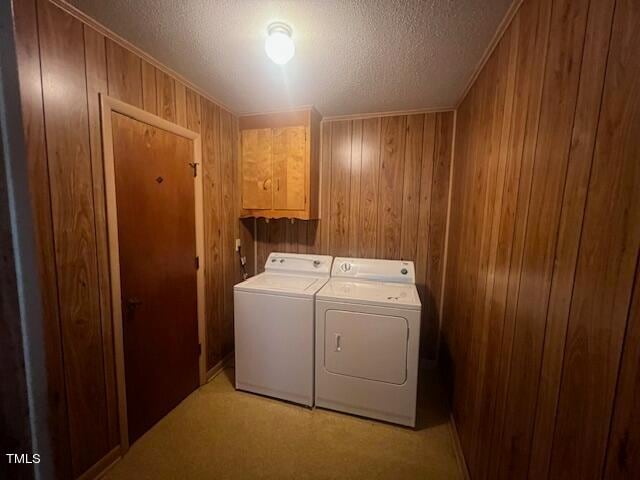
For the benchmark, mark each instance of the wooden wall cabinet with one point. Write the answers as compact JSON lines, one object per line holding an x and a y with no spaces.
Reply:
{"x":280,"y":165}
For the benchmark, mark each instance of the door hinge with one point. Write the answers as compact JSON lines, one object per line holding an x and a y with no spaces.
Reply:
{"x":194,"y":165}
{"x":197,"y":263}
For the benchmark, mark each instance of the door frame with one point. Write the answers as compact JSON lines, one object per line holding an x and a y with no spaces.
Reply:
{"x":108,"y":105}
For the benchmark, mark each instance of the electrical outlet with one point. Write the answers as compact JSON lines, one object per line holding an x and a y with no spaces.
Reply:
{"x":238,"y":244}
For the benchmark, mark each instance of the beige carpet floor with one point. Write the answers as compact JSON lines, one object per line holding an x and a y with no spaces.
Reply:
{"x":220,"y":433}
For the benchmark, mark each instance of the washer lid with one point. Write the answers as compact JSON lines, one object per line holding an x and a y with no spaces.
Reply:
{"x":285,"y":284}
{"x":371,"y":293}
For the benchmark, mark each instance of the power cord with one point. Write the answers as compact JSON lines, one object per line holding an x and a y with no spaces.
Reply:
{"x":243,"y":263}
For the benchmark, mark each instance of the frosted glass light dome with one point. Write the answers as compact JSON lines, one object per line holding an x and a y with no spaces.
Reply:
{"x":279,"y":44}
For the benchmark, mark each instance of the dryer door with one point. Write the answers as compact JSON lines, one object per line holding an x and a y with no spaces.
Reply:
{"x":365,"y":345}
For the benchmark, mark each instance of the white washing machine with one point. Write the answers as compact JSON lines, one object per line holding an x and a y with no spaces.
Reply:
{"x":274,"y":326}
{"x":368,"y":339}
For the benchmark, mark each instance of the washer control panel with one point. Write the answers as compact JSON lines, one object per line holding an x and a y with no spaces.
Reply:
{"x":298,"y":263}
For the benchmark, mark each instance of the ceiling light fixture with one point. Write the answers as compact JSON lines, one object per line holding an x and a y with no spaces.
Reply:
{"x":279,"y":45}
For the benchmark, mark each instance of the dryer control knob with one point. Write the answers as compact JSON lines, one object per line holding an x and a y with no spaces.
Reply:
{"x":345,"y":267}
{"x":404,"y":271}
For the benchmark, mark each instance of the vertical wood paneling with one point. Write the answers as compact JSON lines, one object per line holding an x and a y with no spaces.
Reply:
{"x":213,"y":225}
{"x":424,"y":223}
{"x":340,"y":186}
{"x":229,"y":227}
{"x":181,"y":106}
{"x":484,"y":400}
{"x":437,"y":228}
{"x":560,"y":88}
{"x":124,"y":72}
{"x":149,"y":91}
{"x":354,"y":188}
{"x":63,"y":66}
{"x":264,"y":245}
{"x":193,"y":111}
{"x":324,"y":229}
{"x":166,"y":96}
{"x":391,"y":186}
{"x":411,"y":193}
{"x":543,"y":247}
{"x":623,"y":451}
{"x":369,"y":184}
{"x":414,"y":177}
{"x":538,"y":13}
{"x":573,"y":203}
{"x":607,"y":259}
{"x":68,"y":149}
{"x":28,"y":58}
{"x":96,"y":72}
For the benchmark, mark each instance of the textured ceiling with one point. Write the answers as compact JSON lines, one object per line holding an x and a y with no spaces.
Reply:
{"x":351,"y":57}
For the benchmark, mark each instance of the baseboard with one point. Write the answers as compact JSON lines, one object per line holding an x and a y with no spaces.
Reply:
{"x":218,"y":367}
{"x":457,"y":446}
{"x":102,"y":466}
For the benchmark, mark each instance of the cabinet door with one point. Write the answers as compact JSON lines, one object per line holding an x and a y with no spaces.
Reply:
{"x":256,"y":169}
{"x":289,"y":167}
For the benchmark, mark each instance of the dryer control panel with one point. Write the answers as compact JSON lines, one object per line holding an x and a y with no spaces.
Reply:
{"x":393,"y":271}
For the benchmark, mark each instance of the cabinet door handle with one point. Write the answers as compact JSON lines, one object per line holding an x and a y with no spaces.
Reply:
{"x":338,"y":346}
{"x":266,"y":184}
{"x":278,"y":185}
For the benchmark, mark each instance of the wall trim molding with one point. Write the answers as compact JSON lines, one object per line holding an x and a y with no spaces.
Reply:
{"x":218,"y":367}
{"x":497,"y":36}
{"x":394,"y":113}
{"x":299,"y":108}
{"x":457,"y":447}
{"x":111,"y":35}
{"x":102,"y":466}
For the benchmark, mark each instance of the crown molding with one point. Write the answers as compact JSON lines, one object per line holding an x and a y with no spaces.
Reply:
{"x":362,"y":116}
{"x":502,"y":28}
{"x":106,"y":32}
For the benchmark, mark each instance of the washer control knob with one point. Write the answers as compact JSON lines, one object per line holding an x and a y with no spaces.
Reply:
{"x":345,"y":267}
{"x":404,"y":271}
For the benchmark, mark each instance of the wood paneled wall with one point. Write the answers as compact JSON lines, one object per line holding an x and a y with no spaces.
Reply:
{"x":385,"y":190}
{"x":64,"y":64}
{"x":540,"y":311}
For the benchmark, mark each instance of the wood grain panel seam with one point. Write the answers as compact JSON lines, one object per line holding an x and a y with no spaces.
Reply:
{"x":548,"y":294}
{"x":519,"y":269}
{"x":593,"y":153}
{"x":446,"y":236}
{"x":53,"y":239}
{"x":379,"y":164}
{"x":636,"y":280}
{"x":95,"y":232}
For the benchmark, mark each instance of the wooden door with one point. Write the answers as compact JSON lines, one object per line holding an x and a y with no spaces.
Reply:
{"x":289,"y":153}
{"x":157,"y":244}
{"x":256,"y":169}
